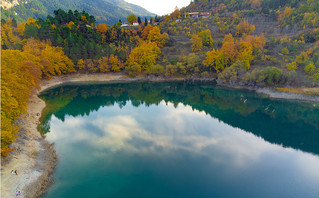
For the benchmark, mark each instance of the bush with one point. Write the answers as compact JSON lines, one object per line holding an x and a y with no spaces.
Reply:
{"x":310,"y":36}
{"x":231,"y":73}
{"x":181,"y":68}
{"x":302,"y":58}
{"x":293,"y":47}
{"x":274,"y":76}
{"x":170,"y":70}
{"x":204,"y":74}
{"x":310,"y":69}
{"x":256,"y":76}
{"x":269,"y":77}
{"x":291,"y":66}
{"x":316,"y":76}
{"x":133,"y":70}
{"x":156,"y":69}
{"x":285,"y":51}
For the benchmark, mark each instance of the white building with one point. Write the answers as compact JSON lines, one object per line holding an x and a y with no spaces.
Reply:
{"x":135,"y":23}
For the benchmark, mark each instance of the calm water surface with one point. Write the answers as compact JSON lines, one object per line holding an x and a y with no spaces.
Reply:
{"x":180,"y":140}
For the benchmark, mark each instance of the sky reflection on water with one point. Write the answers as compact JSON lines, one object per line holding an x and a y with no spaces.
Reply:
{"x":163,"y":151}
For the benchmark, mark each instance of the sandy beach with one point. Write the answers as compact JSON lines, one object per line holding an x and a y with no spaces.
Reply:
{"x":34,"y":157}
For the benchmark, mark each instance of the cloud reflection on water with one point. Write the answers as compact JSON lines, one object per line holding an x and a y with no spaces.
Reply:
{"x":169,"y":130}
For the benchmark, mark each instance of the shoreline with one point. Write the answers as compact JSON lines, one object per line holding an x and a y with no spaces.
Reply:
{"x":274,"y":94}
{"x":36,"y":158}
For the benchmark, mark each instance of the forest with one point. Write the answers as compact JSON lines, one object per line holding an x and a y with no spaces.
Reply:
{"x":229,"y":45}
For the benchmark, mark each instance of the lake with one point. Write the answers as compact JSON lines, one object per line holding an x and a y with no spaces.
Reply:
{"x":179,"y":139}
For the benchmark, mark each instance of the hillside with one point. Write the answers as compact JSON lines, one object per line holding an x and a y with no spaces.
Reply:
{"x":105,"y":11}
{"x":280,"y":40}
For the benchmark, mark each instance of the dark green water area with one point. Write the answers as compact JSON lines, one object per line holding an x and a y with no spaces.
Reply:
{"x":180,"y":139}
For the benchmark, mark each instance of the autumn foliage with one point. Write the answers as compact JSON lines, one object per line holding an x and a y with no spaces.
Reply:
{"x":243,"y":50}
{"x":20,"y":71}
{"x":144,"y":55}
{"x":244,"y":28}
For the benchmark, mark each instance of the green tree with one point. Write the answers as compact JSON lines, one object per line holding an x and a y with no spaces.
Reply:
{"x":131,"y":18}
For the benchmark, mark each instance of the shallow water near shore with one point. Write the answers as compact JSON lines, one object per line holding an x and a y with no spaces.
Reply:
{"x":179,"y":139}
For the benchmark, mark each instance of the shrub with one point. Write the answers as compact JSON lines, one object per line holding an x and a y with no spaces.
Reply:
{"x":268,"y":77}
{"x":291,"y":66}
{"x":133,"y":70}
{"x":156,"y":69}
{"x":204,"y":74}
{"x":293,"y":47}
{"x":310,"y":36}
{"x":181,"y":68}
{"x":310,"y":69}
{"x":302,"y":58}
{"x":274,"y":76}
{"x":231,"y":73}
{"x":285,"y":51}
{"x":170,"y":70}
{"x":256,"y":76}
{"x":316,"y":76}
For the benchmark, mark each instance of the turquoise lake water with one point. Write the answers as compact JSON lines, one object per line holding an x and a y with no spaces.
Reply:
{"x":179,"y":139}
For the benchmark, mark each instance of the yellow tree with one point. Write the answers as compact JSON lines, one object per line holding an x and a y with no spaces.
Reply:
{"x":115,"y":63}
{"x":215,"y":59}
{"x":244,"y":28}
{"x":146,"y":31}
{"x":19,"y":71}
{"x":53,"y":59}
{"x":228,"y":38}
{"x":71,"y":24}
{"x":80,"y":64}
{"x":197,"y":43}
{"x":258,"y":43}
{"x":206,"y":37}
{"x":245,"y":54}
{"x":144,"y":55}
{"x":8,"y":38}
{"x":285,"y":14}
{"x":155,"y":36}
{"x":103,"y":65}
{"x":21,"y":28}
{"x":58,"y":60}
{"x":101,"y":28}
{"x":176,"y":14}
{"x":229,"y":49}
{"x":83,"y":18}
{"x":31,"y":20}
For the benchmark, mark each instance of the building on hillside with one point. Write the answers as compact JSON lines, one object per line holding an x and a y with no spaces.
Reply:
{"x":178,"y":20}
{"x":193,"y":14}
{"x":135,"y":23}
{"x":124,"y":25}
{"x":204,"y":14}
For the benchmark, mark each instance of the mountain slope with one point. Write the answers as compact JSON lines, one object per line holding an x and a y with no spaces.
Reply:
{"x":105,"y":11}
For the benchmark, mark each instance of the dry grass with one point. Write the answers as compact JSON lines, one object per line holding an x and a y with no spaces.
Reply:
{"x":304,"y":91}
